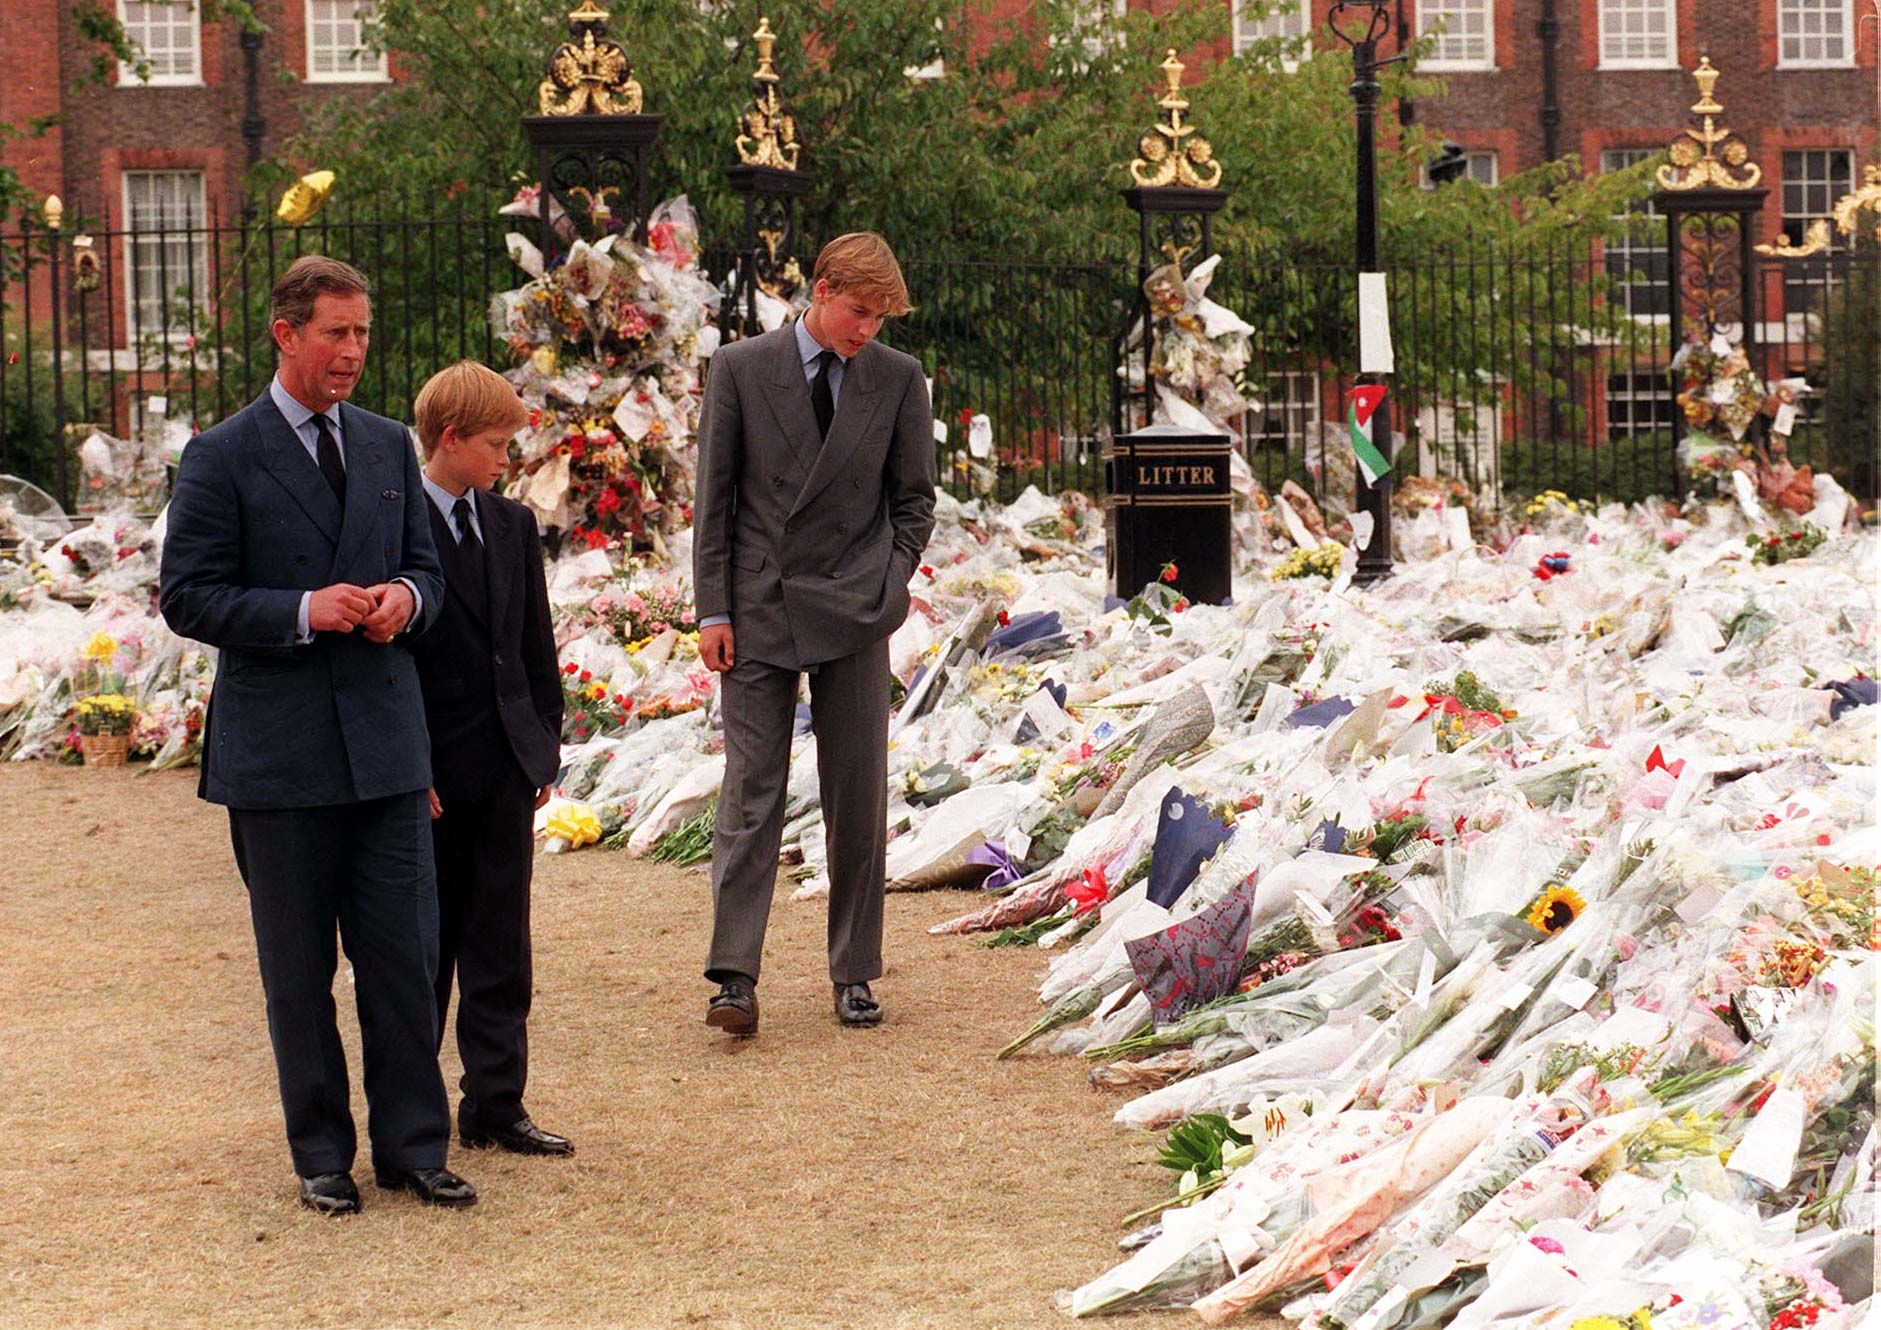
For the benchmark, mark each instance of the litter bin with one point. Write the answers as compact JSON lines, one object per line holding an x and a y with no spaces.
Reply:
{"x":1169,"y":502}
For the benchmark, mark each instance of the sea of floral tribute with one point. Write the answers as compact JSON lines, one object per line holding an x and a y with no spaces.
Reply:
{"x":1495,"y":945}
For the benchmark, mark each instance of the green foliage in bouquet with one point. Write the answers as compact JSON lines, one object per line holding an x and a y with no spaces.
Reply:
{"x":1782,"y":546}
{"x":689,"y":843}
{"x":1194,"y":1152}
{"x":1470,"y":692}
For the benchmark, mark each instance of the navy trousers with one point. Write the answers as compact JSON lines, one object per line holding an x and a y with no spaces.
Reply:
{"x":365,"y":871}
{"x":485,"y":849}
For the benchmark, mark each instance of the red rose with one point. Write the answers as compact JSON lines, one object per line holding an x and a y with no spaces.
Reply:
{"x":1004,"y":618}
{"x":927,"y":570}
{"x":585,"y":676}
{"x":570,"y":668}
{"x":1169,"y":572}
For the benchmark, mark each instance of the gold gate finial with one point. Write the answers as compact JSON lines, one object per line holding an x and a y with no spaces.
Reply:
{"x":589,"y":74}
{"x":1708,"y":155}
{"x":1843,"y":212}
{"x":767,"y":131}
{"x":1170,"y":151}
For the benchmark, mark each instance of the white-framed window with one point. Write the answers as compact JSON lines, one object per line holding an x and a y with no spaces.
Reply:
{"x":1813,"y":179}
{"x":1465,"y":33}
{"x":1637,"y":260}
{"x":1639,"y":401}
{"x":1286,"y":415}
{"x":1093,"y":27}
{"x":1638,"y":34}
{"x":1814,"y":34}
{"x":168,"y":38}
{"x":167,"y":273}
{"x":336,"y":43}
{"x":1289,"y":21}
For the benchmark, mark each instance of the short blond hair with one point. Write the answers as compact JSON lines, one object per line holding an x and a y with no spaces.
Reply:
{"x":862,"y":263}
{"x":471,"y":397}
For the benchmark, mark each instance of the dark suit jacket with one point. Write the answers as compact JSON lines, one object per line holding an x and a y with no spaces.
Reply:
{"x":251,"y":526}
{"x":493,"y":694}
{"x":808,"y":543}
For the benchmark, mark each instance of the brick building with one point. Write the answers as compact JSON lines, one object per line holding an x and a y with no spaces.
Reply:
{"x":1528,"y":81}
{"x":168,"y":150}
{"x":1531,"y":80}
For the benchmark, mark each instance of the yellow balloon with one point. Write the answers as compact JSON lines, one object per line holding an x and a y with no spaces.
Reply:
{"x":304,"y":197}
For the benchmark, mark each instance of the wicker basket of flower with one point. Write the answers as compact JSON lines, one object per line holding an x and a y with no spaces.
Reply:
{"x":105,"y":721}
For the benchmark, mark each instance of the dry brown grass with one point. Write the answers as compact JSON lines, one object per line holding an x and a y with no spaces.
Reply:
{"x":814,"y":1177}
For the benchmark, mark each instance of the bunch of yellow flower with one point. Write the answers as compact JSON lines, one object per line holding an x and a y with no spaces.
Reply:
{"x":106,"y":713}
{"x":1550,"y":502}
{"x":995,"y":681}
{"x":1320,"y":562}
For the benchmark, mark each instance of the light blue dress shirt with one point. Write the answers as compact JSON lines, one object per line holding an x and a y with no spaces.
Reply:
{"x":809,"y":349}
{"x":300,"y":419}
{"x":445,"y":502}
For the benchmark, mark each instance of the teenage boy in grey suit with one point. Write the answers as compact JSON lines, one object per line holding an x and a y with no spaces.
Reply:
{"x":815,"y":498}
{"x":299,"y":545}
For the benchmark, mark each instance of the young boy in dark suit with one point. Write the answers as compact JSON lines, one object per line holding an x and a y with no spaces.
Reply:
{"x":493,"y":703}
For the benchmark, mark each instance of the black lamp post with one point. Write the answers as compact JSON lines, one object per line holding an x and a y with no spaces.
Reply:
{"x":1375,"y":559}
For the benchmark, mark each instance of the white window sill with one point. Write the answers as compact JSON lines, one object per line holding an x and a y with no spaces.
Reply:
{"x":1622,"y":65}
{"x":129,"y":79}
{"x":1459,"y":67}
{"x":1848,"y":63}
{"x":376,"y":76}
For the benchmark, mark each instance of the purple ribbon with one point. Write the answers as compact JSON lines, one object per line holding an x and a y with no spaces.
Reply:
{"x":992,"y":854}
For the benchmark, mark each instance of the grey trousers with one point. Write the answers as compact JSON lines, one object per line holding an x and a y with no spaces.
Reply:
{"x":849,"y":716}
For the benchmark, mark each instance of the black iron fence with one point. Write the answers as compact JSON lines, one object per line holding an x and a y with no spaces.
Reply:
{"x":1516,"y":371}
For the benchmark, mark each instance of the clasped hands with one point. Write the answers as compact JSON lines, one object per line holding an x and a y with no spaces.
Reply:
{"x":380,"y":612}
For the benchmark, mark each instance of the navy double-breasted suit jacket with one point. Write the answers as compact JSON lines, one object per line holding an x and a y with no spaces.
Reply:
{"x":252,"y":526}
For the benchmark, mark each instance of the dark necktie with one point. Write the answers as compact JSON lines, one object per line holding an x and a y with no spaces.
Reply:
{"x":328,"y":455}
{"x":466,"y":532}
{"x":469,"y":551}
{"x":822,"y":399}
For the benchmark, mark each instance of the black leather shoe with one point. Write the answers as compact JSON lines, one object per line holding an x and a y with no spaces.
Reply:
{"x":854,"y":1005}
{"x":433,"y":1186}
{"x":735,"y":1008}
{"x":330,"y":1194}
{"x":521,"y":1137}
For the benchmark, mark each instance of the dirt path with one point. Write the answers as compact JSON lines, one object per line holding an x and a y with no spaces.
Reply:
{"x":814,"y":1177}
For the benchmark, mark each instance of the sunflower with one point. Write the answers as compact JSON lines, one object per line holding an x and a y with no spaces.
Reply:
{"x":1556,"y":908}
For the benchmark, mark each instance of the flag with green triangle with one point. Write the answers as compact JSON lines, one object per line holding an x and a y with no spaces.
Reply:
{"x":1362,"y":404}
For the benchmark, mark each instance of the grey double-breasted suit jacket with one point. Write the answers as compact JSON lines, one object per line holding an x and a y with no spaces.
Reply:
{"x":808,"y":544}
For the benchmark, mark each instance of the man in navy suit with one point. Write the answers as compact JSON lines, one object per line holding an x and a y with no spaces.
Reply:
{"x":300,"y":547}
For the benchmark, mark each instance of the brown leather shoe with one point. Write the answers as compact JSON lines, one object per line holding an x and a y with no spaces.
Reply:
{"x":734,"y":1009}
{"x":856,"y":1007}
